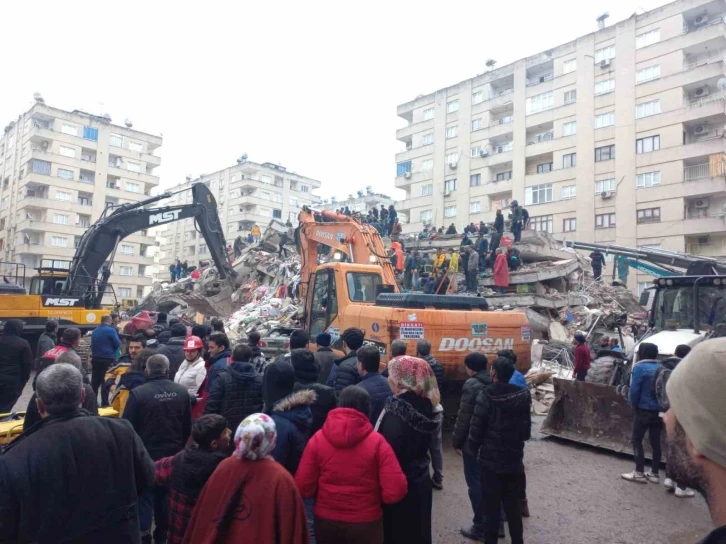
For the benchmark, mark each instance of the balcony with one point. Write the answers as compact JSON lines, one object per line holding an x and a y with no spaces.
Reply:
{"x":498,"y":99}
{"x":696,"y":172}
{"x":703,"y":223}
{"x":406,"y":133}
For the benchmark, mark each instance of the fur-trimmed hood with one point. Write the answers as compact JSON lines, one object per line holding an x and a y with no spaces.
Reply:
{"x":411,"y":416}
{"x":303,"y":397}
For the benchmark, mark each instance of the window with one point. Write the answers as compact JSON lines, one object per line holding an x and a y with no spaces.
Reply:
{"x":61,"y":219}
{"x":569,"y":160}
{"x":544,"y":167}
{"x":69,"y":129}
{"x":649,"y":215}
{"x":203,"y":249}
{"x":116,"y":140}
{"x":427,"y":164}
{"x":40,"y":167}
{"x":605,"y":120}
{"x":569,"y":66}
{"x":265,"y":195}
{"x":647,"y":179}
{"x":65,"y":174}
{"x":452,"y":106}
{"x":605,"y":185}
{"x":452,"y":158}
{"x":136,"y":146}
{"x":568,"y":129}
{"x":67,"y":152}
{"x":605,"y":86}
{"x":90,"y":133}
{"x":647,"y":109}
{"x":477,"y":124}
{"x":427,"y":189}
{"x":570,"y":97}
{"x":452,"y":132}
{"x":428,"y":114}
{"x":477,"y":150}
{"x":503,"y":176}
{"x":538,"y":194}
{"x":606,"y":53}
{"x":540,"y":102}
{"x":133,"y":166}
{"x":449,"y":185}
{"x":647,"y":74}
{"x":304,"y":188}
{"x":646,"y":145}
{"x":542,"y":223}
{"x":569,"y":191}
{"x":126,"y":271}
{"x":277,"y":214}
{"x":133,"y":187}
{"x":474,"y":207}
{"x":605,"y":153}
{"x":605,"y":221}
{"x":403,"y":168}
{"x":475,"y":180}
{"x":569,"y":225}
{"x":276,"y":197}
{"x":477,"y":98}
{"x":5,"y":203}
{"x":425,"y":216}
{"x":127,"y":249}
{"x":427,"y":139}
{"x":59,"y":241}
{"x":647,"y":38}
{"x":450,"y":211}
{"x":267,"y":178}
{"x":124,"y":292}
{"x":63,"y":195}
{"x":294,"y":202}
{"x":84,"y":221}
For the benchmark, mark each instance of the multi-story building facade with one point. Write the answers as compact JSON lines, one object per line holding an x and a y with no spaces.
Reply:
{"x":60,"y":170}
{"x":362,"y":202}
{"x":616,"y":137}
{"x":247,"y":194}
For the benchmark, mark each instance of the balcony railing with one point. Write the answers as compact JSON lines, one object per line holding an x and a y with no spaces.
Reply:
{"x":696,"y":172}
{"x":699,"y":102}
{"x":691,"y":27}
{"x":714,"y":58}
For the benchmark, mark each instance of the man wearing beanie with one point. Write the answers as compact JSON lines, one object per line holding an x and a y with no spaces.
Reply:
{"x":306,"y":376}
{"x":324,"y":356}
{"x":696,"y":428}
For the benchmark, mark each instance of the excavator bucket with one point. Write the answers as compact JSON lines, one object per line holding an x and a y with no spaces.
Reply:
{"x":592,"y":414}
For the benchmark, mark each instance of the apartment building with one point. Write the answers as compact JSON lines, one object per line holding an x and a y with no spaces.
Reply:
{"x":247,"y":194}
{"x":361,"y":202}
{"x":60,"y":170}
{"x":616,"y":137}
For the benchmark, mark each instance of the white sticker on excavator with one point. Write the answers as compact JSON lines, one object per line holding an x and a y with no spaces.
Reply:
{"x":412,"y":330}
{"x":476,"y":344}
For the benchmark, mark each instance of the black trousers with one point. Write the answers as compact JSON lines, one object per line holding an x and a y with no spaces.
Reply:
{"x":502,"y":489}
{"x":98,"y":370}
{"x":650,"y":421}
{"x":597,"y":272}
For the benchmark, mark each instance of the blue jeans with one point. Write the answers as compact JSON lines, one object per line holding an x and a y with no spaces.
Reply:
{"x":437,"y":455}
{"x":472,"y":475}
{"x":154,"y":505}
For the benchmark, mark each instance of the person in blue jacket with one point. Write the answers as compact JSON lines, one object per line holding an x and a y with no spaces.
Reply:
{"x":104,"y":345}
{"x":646,"y":414}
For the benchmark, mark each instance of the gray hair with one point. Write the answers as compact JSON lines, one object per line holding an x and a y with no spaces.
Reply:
{"x":423,"y":347}
{"x":398,"y":347}
{"x":59,"y":387}
{"x":69,"y":357}
{"x":157,"y":365}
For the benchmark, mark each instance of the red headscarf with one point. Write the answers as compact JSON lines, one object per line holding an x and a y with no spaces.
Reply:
{"x":414,"y":374}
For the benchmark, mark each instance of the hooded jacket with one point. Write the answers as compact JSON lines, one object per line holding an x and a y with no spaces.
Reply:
{"x":293,"y":419}
{"x":325,"y":401}
{"x":378,"y":390}
{"x":174,"y":351}
{"x":500,"y":426}
{"x":216,"y":365}
{"x":472,"y":387}
{"x":236,"y":393}
{"x":191,"y":375}
{"x":642,"y":386}
{"x":15,"y":361}
{"x":325,"y":357}
{"x":345,"y":372}
{"x":350,"y":470}
{"x":437,"y":369}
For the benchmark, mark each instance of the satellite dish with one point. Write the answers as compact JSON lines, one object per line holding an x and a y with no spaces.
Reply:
{"x":38,"y":98}
{"x":128,"y":122}
{"x":107,"y":117}
{"x":189,"y":177}
{"x":490,"y":63}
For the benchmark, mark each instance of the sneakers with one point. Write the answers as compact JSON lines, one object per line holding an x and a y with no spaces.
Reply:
{"x":652,"y":477}
{"x":473,"y":532}
{"x":669,"y":484}
{"x":637,"y":477}
{"x":437,"y":485}
{"x":684,"y":493}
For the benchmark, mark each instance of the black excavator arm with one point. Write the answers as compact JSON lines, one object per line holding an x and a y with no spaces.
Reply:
{"x":90,"y":268}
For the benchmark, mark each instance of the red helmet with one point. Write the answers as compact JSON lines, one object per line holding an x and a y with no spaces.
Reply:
{"x":192,"y":343}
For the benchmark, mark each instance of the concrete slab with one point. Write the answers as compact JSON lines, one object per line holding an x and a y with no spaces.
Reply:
{"x":541,"y":272}
{"x":552,"y":302}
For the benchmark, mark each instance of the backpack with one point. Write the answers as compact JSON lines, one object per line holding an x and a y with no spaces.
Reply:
{"x":659,"y":385}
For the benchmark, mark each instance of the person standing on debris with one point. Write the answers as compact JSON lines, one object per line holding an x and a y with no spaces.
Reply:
{"x":192,"y":372}
{"x":501,"y":271}
{"x":466,"y":241}
{"x":410,"y":265}
{"x":104,"y":345}
{"x":454,"y":261}
{"x":516,"y":218}
{"x":398,"y":251}
{"x":172,"y":272}
{"x":646,"y":413}
{"x":597,"y":260}
{"x":345,"y":371}
{"x":482,"y":245}
{"x":439,"y":260}
{"x":494,"y":245}
{"x":582,"y":358}
{"x":499,"y":223}
{"x":425,"y":270}
{"x":513,"y":259}
{"x":483,"y":229}
{"x":423,"y":351}
{"x":451,"y":229}
{"x":396,"y":228}
{"x":472,"y":269}
{"x":256,"y":233}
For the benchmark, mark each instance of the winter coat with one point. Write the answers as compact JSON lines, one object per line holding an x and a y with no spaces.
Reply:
{"x":104,"y":342}
{"x":398,"y":251}
{"x":185,"y":474}
{"x":472,"y":387}
{"x":259,"y":361}
{"x":174,"y":351}
{"x":408,"y":423}
{"x":472,"y":264}
{"x":266,"y":506}
{"x":518,"y":379}
{"x":46,"y":342}
{"x":323,"y":404}
{"x":350,"y":470}
{"x":501,"y":271}
{"x":235,"y":394}
{"x":437,"y":369}
{"x":216,"y":364}
{"x":642,"y":386}
{"x":325,"y":357}
{"x":597,"y":259}
{"x":112,"y":375}
{"x":500,"y":426}
{"x":15,"y":362}
{"x":379,"y":391}
{"x":582,"y":358}
{"x":161,"y":413}
{"x":32,"y":415}
{"x":346,"y":372}
{"x":74,"y":478}
{"x":191,"y":375}
{"x":483,"y":248}
{"x":451,"y":230}
{"x":397,"y":228}
{"x":499,"y":223}
{"x":127,"y":383}
{"x":293,"y":419}
{"x":439,"y":260}
{"x":454,"y":262}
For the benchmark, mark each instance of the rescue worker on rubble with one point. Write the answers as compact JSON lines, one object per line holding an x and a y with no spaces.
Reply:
{"x":582,"y":358}
{"x":499,"y":223}
{"x":598,"y":263}
{"x":517,"y":219}
{"x":256,"y":233}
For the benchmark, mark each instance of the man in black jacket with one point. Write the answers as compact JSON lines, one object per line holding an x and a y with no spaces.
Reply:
{"x":499,"y":427}
{"x":237,"y":390}
{"x":345,"y":372}
{"x":499,"y":223}
{"x":476,"y":369}
{"x":161,"y":413}
{"x":174,"y":348}
{"x":219,"y":354}
{"x":73,"y":477}
{"x":324,"y":356}
{"x":369,"y":363}
{"x":15,"y":362}
{"x":47,"y":341}
{"x":306,"y":377}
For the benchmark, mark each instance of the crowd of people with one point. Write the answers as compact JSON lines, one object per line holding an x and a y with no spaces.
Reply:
{"x":384,"y":220}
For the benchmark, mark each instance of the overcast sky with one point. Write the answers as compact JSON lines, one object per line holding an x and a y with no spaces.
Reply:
{"x":310,"y":85}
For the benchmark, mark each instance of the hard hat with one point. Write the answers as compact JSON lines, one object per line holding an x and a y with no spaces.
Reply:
{"x":192,"y":343}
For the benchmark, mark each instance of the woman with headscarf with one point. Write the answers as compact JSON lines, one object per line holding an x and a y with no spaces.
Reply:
{"x":250,"y":497}
{"x":15,"y":360}
{"x":408,"y":422}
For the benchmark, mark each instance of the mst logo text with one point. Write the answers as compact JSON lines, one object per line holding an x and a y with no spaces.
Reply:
{"x":164,"y":217}
{"x":62,"y":302}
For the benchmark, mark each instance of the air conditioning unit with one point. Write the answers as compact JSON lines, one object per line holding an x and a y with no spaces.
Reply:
{"x":701,"y":130}
{"x":453,"y":165}
{"x":606,"y":194}
{"x":704,"y":240}
{"x":700,"y":203}
{"x":447,"y":193}
{"x":701,"y":20}
{"x":483,"y":153}
{"x":702,"y":91}
{"x":407,"y":175}
{"x":605,"y":63}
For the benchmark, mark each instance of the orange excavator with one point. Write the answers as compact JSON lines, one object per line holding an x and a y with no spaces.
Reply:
{"x":357,"y":288}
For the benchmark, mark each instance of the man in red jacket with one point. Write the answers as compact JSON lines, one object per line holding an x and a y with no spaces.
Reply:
{"x":582,"y":358}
